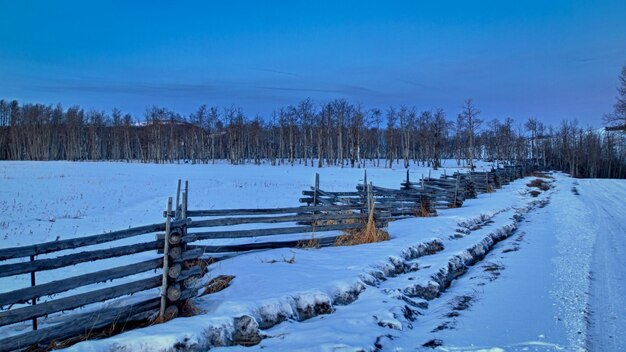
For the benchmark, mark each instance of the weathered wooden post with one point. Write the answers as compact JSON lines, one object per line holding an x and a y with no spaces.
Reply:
{"x":184,"y":267}
{"x":370,"y":199}
{"x":183,"y":211}
{"x":187,"y":193}
{"x":316,"y":188}
{"x":456,"y":190}
{"x":365,"y":178}
{"x":178,"y":200}
{"x":487,"y":181}
{"x":33,"y":283}
{"x":166,"y":249}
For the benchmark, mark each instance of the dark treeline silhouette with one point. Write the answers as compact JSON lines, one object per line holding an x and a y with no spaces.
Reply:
{"x":335,"y":133}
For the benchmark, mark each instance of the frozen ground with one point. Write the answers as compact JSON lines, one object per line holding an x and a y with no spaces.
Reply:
{"x":531,"y":291}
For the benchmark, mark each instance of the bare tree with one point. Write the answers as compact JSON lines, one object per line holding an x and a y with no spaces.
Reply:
{"x":391,"y":135}
{"x":470,"y":115}
{"x":616,"y":120}
{"x":298,"y":133}
{"x":439,"y":131}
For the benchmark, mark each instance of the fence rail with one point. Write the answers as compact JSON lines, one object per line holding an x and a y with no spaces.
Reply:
{"x":23,"y":303}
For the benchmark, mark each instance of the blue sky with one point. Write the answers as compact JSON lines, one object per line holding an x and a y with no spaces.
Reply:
{"x":547,"y":59}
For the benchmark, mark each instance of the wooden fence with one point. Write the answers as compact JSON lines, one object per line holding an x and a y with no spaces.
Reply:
{"x":180,"y":242}
{"x":23,"y":303}
{"x":422,"y":197}
{"x":323,"y":223}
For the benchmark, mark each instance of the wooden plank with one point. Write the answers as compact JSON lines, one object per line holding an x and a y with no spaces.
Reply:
{"x":323,"y":241}
{"x":271,"y":211}
{"x":332,"y":194}
{"x":434,"y":188}
{"x":274,"y":231}
{"x":81,"y":324}
{"x":76,"y":258}
{"x":25,"y":294}
{"x":79,"y":300}
{"x":48,"y":247}
{"x":274,"y":219}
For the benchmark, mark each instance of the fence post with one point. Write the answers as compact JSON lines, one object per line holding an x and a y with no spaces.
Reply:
{"x":186,"y":269}
{"x":486,"y":181}
{"x":166,"y":249}
{"x":370,"y":198}
{"x":316,"y":188}
{"x":365,"y":178}
{"x":177,"y":200}
{"x":33,"y":283}
{"x":456,"y":190}
{"x":187,"y":193}
{"x":184,"y":205}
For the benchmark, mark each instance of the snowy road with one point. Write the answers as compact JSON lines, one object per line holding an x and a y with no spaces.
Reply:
{"x":543,"y":298}
{"x":606,"y":200}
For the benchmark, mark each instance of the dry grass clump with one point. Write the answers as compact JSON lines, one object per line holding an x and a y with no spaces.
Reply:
{"x":189,"y":309}
{"x":539,"y":183}
{"x":490,"y":188}
{"x":368,"y":234}
{"x":534,"y":193}
{"x":423,"y":211}
{"x":217,"y":284}
{"x":312,"y":242}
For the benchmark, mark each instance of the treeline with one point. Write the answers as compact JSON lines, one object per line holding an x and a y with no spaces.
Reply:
{"x":335,"y":133}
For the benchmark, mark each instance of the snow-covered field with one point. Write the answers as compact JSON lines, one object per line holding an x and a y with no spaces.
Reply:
{"x":533,"y":290}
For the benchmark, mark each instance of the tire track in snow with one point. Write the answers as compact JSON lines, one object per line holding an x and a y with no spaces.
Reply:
{"x":576,"y":238}
{"x":608,"y":286}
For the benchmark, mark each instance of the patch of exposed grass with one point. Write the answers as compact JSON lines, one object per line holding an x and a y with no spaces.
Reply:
{"x":312,"y":242}
{"x":424,"y":210}
{"x":217,"y":284}
{"x":368,"y":234}
{"x":539,"y":183}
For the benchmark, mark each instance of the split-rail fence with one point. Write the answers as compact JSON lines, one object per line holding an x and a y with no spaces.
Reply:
{"x":183,"y":244}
